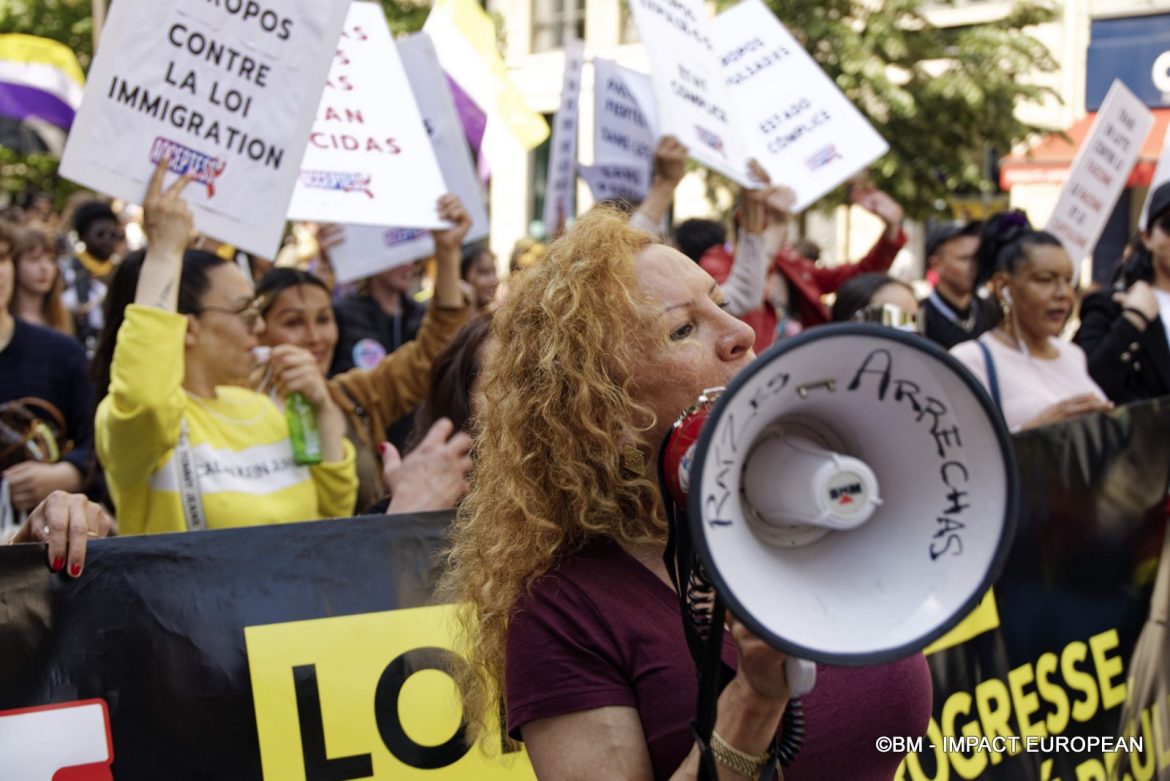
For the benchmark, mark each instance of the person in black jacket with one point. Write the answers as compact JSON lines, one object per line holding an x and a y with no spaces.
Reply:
{"x":377,"y":320}
{"x":953,"y":313}
{"x":1124,"y":329}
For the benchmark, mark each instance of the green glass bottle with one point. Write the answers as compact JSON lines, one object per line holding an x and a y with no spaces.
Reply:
{"x":302,"y":430}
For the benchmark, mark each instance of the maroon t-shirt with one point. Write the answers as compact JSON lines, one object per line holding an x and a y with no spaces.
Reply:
{"x":603,"y":630}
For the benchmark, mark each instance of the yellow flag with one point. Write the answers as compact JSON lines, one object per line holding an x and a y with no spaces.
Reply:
{"x":465,"y":39}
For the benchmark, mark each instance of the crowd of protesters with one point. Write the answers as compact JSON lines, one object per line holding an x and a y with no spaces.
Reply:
{"x":148,"y":377}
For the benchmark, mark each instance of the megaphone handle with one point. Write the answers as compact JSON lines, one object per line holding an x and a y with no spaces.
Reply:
{"x":801,"y":674}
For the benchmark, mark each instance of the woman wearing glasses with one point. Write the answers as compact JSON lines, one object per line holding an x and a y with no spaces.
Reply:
{"x":184,"y":447}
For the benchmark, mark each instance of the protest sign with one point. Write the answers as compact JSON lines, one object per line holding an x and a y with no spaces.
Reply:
{"x":616,"y":182}
{"x":1100,"y":170}
{"x":625,"y":129}
{"x":1161,"y":176}
{"x":625,"y":132}
{"x":227,"y":91}
{"x":795,"y":121}
{"x":693,"y":102}
{"x":369,"y":138}
{"x":368,"y":250}
{"x":560,"y":201}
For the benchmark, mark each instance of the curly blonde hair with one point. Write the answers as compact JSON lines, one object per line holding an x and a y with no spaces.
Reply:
{"x":556,"y":407}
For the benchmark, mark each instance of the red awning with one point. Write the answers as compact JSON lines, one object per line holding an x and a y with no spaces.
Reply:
{"x":1049,"y":160}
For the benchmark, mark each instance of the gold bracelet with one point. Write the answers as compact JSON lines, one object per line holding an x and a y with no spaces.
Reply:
{"x":732,"y":758}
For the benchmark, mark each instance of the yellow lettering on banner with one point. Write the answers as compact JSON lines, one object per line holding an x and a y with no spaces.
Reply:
{"x":957,"y":704}
{"x":1091,"y":770}
{"x":1053,"y":694}
{"x":995,"y":712}
{"x":1082,"y":710}
{"x":912,"y":767}
{"x":1143,"y":771}
{"x":365,"y":696}
{"x":1027,"y":704}
{"x":1062,"y":686}
{"x":1108,"y":668}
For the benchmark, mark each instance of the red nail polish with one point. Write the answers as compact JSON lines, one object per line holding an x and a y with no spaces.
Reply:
{"x":58,"y":563}
{"x":75,"y":570}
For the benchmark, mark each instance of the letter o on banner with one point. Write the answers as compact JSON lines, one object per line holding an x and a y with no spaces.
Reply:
{"x":1160,"y":73}
{"x":386,"y":710}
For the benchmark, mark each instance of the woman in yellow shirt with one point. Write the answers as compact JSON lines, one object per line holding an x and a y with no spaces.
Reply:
{"x":183,"y":446}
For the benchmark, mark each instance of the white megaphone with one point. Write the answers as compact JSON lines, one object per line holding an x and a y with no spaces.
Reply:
{"x":851,"y":495}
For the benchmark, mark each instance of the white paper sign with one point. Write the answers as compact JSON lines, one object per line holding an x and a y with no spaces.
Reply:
{"x":1161,"y":176}
{"x":692,"y":96}
{"x":369,"y":139}
{"x":227,"y":90}
{"x":368,"y":250}
{"x":625,"y":130}
{"x":794,"y":120}
{"x":1100,"y":170}
{"x":32,"y":749}
{"x":560,"y":202}
{"x":616,"y":182}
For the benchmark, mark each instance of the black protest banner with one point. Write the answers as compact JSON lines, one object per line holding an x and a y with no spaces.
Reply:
{"x":306,"y":651}
{"x":316,"y":651}
{"x":1031,"y":685}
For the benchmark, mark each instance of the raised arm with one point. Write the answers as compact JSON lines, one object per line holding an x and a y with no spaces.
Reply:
{"x":670,"y":165}
{"x":138,"y":422}
{"x":167,"y":221}
{"x":401,"y":379}
{"x":744,"y":287}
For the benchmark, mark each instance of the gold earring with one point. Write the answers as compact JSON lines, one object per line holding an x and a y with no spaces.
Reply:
{"x":633,"y":460}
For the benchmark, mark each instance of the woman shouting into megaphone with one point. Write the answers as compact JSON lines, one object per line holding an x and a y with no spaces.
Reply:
{"x":571,"y":617}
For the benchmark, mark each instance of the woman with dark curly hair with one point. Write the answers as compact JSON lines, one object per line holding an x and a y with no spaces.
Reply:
{"x":558,"y":548}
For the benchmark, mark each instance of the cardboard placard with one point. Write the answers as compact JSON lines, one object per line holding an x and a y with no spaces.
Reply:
{"x":693,"y":101}
{"x":1100,"y":170}
{"x":560,"y":192}
{"x":796,"y":123}
{"x":368,"y":139}
{"x":227,"y":90}
{"x":368,"y":250}
{"x":625,"y":131}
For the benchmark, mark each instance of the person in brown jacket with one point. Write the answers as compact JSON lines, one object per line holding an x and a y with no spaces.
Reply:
{"x":298,"y":311}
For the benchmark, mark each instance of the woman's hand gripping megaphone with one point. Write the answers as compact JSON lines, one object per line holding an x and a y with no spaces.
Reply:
{"x":768,"y":673}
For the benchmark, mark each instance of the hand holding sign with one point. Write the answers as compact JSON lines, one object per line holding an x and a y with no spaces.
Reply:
{"x":448,"y":255}
{"x":451,"y":210}
{"x":754,"y":217}
{"x":670,"y":161}
{"x":65,"y":523}
{"x":166,"y":217}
